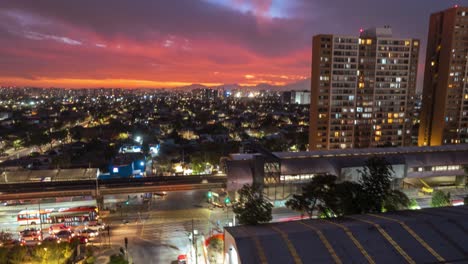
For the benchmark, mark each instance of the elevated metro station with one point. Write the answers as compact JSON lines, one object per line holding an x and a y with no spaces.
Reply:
{"x":282,"y":173}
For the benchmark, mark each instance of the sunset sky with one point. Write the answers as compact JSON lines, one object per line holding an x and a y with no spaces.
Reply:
{"x":168,"y":43}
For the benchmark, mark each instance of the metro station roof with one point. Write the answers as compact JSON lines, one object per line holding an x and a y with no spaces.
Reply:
{"x":23,"y":176}
{"x":434,"y":235}
{"x":332,"y":161}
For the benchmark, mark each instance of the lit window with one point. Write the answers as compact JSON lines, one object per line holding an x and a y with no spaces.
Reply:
{"x":407,"y":43}
{"x":416,"y":43}
{"x":369,"y":41}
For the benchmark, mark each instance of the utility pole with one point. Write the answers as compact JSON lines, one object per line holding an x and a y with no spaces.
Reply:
{"x":194,"y":244}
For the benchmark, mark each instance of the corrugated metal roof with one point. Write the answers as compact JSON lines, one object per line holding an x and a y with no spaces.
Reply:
{"x":332,"y":161}
{"x":435,"y":235}
{"x":48,"y":175}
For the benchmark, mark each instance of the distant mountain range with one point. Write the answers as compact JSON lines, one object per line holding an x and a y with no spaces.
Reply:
{"x":296,"y":86}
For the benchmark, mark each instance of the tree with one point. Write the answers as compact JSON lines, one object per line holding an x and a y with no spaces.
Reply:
{"x":318,"y":194}
{"x":349,"y":198}
{"x":440,"y":199}
{"x":252,"y":208}
{"x":216,"y":244}
{"x":38,"y":138}
{"x":18,"y":143}
{"x":301,"y":204}
{"x":376,"y":177}
{"x":117,"y":259}
{"x":77,"y":133}
{"x":58,"y":135}
{"x":17,"y":255}
{"x":396,"y":200}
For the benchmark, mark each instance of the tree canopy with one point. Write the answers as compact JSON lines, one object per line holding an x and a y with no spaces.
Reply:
{"x":372,"y":193}
{"x":440,"y":199}
{"x":252,"y":207}
{"x":316,"y":195}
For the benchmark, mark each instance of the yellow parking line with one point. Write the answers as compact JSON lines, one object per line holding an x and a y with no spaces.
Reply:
{"x":388,"y":238}
{"x":325,"y":242}
{"x":416,"y":236}
{"x":258,"y":245}
{"x":355,"y":241}
{"x":291,"y":247}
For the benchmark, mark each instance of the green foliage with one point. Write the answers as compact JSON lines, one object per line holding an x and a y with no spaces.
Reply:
{"x":5,"y":236}
{"x":117,"y":259}
{"x":51,"y":252}
{"x":371,"y":194}
{"x":17,"y":255}
{"x":90,"y":260}
{"x":301,"y":204}
{"x":396,"y":200}
{"x":349,"y":198}
{"x":376,"y":177}
{"x":440,"y":199}
{"x":4,"y":253}
{"x":37,"y":138}
{"x":252,"y":208}
{"x":216,"y":244}
{"x":413,"y":204}
{"x":18,"y":143}
{"x":318,"y":194}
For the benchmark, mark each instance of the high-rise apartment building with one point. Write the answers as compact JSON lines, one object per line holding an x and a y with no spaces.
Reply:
{"x":362,"y":89}
{"x":444,"y":115}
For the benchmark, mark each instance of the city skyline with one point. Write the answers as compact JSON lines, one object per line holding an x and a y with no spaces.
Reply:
{"x":177,"y":43}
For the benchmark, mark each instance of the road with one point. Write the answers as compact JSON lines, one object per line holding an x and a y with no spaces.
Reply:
{"x":160,"y":234}
{"x":157,"y":232}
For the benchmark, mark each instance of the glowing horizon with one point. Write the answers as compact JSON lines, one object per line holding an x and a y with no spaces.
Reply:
{"x":165,"y":44}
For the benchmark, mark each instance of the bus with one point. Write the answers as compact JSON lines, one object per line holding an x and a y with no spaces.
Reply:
{"x":34,"y":217}
{"x":74,"y":215}
{"x":68,"y":216}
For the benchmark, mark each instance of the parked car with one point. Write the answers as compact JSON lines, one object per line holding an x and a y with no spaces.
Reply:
{"x":54,"y":229}
{"x":31,"y":234}
{"x":88,"y":233}
{"x":96,"y":225}
{"x":64,"y":236}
